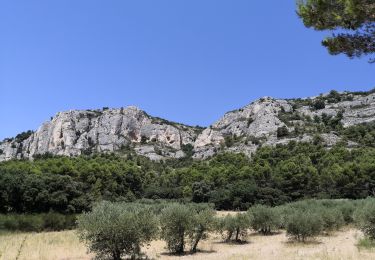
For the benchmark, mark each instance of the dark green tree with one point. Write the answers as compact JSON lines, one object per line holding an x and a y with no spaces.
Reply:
{"x":282,"y":131}
{"x":353,"y":21}
{"x":319,"y":104}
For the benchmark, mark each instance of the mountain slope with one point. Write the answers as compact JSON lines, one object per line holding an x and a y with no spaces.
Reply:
{"x":271,"y":121}
{"x":266,"y":121}
{"x":77,"y":132}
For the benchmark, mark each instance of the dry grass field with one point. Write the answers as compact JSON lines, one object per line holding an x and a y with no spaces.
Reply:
{"x":65,"y":245}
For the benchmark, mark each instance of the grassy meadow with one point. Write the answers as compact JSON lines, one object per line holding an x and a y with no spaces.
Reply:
{"x":66,"y":245}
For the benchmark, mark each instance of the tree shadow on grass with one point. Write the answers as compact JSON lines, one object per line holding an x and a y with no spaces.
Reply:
{"x":232,"y":242}
{"x":199,"y":251}
{"x":141,"y":257}
{"x":257,"y":234}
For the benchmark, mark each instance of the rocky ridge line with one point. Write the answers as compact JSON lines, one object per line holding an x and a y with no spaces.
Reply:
{"x":266,"y":121}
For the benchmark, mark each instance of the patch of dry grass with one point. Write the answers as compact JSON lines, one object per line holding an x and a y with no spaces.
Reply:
{"x":43,"y":246}
{"x":65,"y":245}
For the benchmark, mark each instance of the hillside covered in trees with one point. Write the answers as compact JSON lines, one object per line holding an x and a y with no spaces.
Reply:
{"x":270,"y":152}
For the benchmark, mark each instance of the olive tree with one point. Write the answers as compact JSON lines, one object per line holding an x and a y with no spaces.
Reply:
{"x":234,"y":227}
{"x":114,"y":230}
{"x":186,"y":224}
{"x":302,"y":225}
{"x":263,"y":219}
{"x":202,"y":223}
{"x":175,"y":222}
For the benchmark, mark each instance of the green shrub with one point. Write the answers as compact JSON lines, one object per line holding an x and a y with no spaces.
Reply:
{"x":30,"y":223}
{"x":282,"y":131}
{"x":332,"y":219}
{"x":9,"y":223}
{"x":282,"y":212}
{"x":263,"y":219}
{"x":70,"y":221}
{"x":27,"y":223}
{"x":23,"y":136}
{"x":319,"y":104}
{"x":365,"y":218}
{"x":37,"y":222}
{"x":302,"y":225}
{"x":56,"y":221}
{"x":347,"y":209}
{"x":366,"y":243}
{"x":115,"y":230}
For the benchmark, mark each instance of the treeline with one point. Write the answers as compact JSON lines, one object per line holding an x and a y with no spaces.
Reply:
{"x":117,"y":230}
{"x":68,"y":185}
{"x":274,"y":175}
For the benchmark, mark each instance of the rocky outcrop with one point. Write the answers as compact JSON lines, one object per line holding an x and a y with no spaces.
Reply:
{"x":256,"y":124}
{"x":256,"y":120}
{"x":78,"y":132}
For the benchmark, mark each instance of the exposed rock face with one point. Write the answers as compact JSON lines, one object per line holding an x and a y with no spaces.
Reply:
{"x":75,"y":132}
{"x":244,"y":130}
{"x":258,"y":119}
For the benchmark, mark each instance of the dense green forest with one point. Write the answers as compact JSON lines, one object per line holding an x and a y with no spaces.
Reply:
{"x":273,"y":176}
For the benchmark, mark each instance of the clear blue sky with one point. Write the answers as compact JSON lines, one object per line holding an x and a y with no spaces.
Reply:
{"x":187,"y":60}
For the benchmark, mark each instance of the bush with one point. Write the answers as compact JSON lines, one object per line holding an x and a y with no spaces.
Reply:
{"x":302,"y":225}
{"x":282,"y":212}
{"x":56,"y":221}
{"x":332,"y":219}
{"x":282,"y":131}
{"x":176,"y":221}
{"x":333,"y":97}
{"x":30,"y":223}
{"x":366,"y":243}
{"x":234,"y":226}
{"x":319,"y":104}
{"x":27,"y":223}
{"x":263,"y":219}
{"x":365,"y":218}
{"x":347,"y":209}
{"x":115,"y":230}
{"x":9,"y":223}
{"x":23,"y":136}
{"x":36,"y":223}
